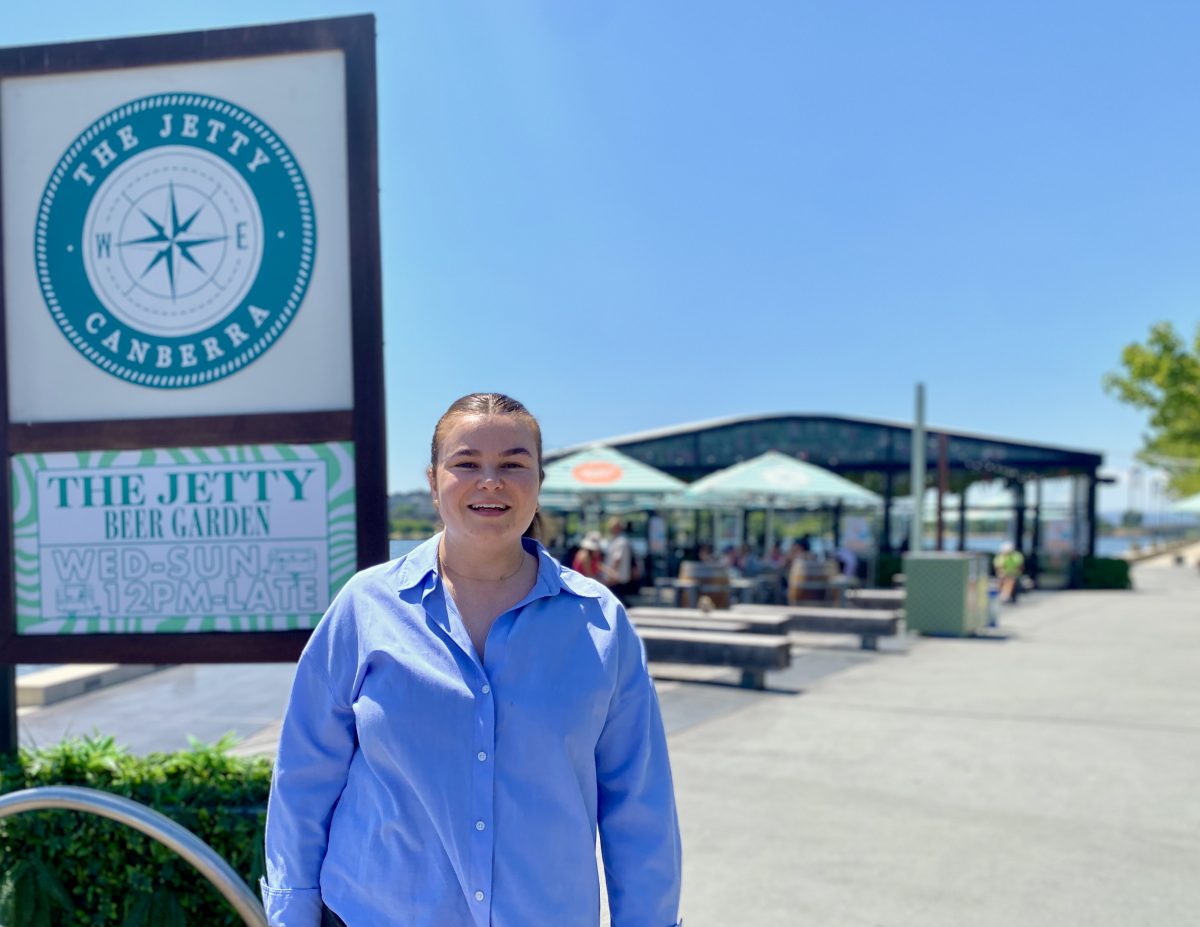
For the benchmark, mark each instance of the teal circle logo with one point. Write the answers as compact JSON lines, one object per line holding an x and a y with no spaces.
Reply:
{"x":175,"y":240}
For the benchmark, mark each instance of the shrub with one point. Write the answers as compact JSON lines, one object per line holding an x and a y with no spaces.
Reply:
{"x":71,"y":869}
{"x":1105,"y":573}
{"x":887,"y":566}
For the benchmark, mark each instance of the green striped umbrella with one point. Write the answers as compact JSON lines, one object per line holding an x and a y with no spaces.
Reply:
{"x":778,"y":478}
{"x":1190,"y":505}
{"x":602,"y":472}
{"x":775,"y":480}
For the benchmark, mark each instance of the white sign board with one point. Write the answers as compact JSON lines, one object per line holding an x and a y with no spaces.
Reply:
{"x":176,"y":240}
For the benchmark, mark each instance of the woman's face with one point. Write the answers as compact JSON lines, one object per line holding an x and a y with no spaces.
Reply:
{"x":486,"y":482}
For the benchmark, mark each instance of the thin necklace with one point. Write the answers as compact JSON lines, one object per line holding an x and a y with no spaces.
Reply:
{"x":476,"y":579}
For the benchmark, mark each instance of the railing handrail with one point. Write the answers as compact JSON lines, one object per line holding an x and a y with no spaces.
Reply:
{"x":152,"y":824}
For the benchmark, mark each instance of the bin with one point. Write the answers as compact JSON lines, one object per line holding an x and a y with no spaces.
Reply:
{"x":947,"y":593}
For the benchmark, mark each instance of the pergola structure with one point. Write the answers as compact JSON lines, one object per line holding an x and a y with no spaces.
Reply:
{"x":877,"y":455}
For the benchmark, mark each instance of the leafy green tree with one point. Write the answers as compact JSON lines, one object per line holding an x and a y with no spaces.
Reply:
{"x":1162,"y":376}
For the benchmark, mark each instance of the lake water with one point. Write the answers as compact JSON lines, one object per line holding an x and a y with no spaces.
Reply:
{"x":397,"y":548}
{"x":1106,"y":545}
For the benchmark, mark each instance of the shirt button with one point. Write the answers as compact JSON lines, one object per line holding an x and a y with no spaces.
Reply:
{"x":479,"y":825}
{"x":486,"y":688}
{"x":481,"y":756}
{"x":479,"y":896}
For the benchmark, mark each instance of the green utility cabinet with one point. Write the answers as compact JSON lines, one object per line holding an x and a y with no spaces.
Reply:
{"x":946,"y":593}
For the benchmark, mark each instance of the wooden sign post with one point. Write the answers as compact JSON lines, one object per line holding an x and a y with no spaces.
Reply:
{"x":190,"y":343}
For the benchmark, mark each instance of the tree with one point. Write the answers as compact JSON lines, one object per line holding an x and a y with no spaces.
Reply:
{"x":1162,"y":376}
{"x":1131,"y":519}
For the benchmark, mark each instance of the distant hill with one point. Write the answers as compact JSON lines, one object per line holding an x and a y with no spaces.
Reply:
{"x":413,"y":504}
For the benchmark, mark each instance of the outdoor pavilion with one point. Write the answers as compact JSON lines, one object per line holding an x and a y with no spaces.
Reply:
{"x":877,"y":455}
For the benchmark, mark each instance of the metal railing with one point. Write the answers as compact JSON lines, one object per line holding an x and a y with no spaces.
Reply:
{"x":152,"y":824}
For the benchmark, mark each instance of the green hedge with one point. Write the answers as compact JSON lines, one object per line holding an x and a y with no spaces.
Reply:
{"x":887,"y":566}
{"x":1105,"y":573}
{"x":70,"y":869}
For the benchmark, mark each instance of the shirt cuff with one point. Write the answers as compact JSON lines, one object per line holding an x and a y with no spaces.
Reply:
{"x":291,"y":907}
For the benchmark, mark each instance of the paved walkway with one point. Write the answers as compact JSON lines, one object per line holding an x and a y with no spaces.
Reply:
{"x":1044,"y":779}
{"x":1049,"y":779}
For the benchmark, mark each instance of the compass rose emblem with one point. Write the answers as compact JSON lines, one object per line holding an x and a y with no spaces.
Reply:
{"x":172,"y":240}
{"x":175,"y":240}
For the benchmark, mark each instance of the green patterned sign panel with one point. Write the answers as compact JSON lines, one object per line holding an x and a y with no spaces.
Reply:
{"x":184,"y":540}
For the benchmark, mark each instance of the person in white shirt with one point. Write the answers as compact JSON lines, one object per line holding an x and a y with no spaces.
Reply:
{"x":617,"y":571}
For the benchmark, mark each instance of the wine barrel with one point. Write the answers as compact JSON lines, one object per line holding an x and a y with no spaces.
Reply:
{"x":808,"y":580}
{"x":712,"y":580}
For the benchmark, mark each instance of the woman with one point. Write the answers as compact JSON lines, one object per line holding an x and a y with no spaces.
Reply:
{"x":589,"y":559}
{"x":464,"y":720}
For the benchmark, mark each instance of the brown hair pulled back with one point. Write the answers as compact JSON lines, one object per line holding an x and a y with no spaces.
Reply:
{"x":488,"y":404}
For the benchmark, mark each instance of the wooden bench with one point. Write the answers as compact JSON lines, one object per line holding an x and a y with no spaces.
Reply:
{"x":686,"y":623}
{"x":753,"y":654}
{"x":875,"y":598}
{"x":869,"y":624}
{"x":709,"y":621}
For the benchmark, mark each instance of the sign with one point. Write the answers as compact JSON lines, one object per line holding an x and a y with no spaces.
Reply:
{"x":175,"y":240}
{"x":183,"y":540}
{"x":192,"y":364}
{"x":656,"y":535}
{"x":597,"y":472}
{"x":856,"y":534}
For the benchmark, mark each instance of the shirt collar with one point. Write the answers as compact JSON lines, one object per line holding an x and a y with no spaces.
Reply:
{"x":422,"y":561}
{"x":418,"y":563}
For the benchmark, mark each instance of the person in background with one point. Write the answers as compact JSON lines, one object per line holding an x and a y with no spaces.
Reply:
{"x":1009,"y":564}
{"x":797,"y":550}
{"x":589,"y":559}
{"x":847,"y":561}
{"x":617,"y":569}
{"x":467,"y":719}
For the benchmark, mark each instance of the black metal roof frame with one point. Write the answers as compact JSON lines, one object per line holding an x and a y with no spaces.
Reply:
{"x":844,"y":445}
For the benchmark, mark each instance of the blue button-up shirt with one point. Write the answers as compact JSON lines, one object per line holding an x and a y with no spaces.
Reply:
{"x":418,"y":785}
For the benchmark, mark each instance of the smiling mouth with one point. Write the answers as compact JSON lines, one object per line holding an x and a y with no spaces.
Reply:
{"x":488,"y":507}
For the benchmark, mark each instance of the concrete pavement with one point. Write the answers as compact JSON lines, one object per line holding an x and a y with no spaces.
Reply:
{"x":1046,"y":779}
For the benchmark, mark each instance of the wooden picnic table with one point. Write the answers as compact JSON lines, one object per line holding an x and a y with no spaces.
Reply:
{"x":869,"y":624}
{"x":875,"y":598}
{"x":684,"y":618}
{"x":680,"y":591}
{"x":694,"y":617}
{"x":753,"y":654}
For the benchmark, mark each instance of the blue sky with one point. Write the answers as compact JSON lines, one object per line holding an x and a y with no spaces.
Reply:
{"x":631,"y":215}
